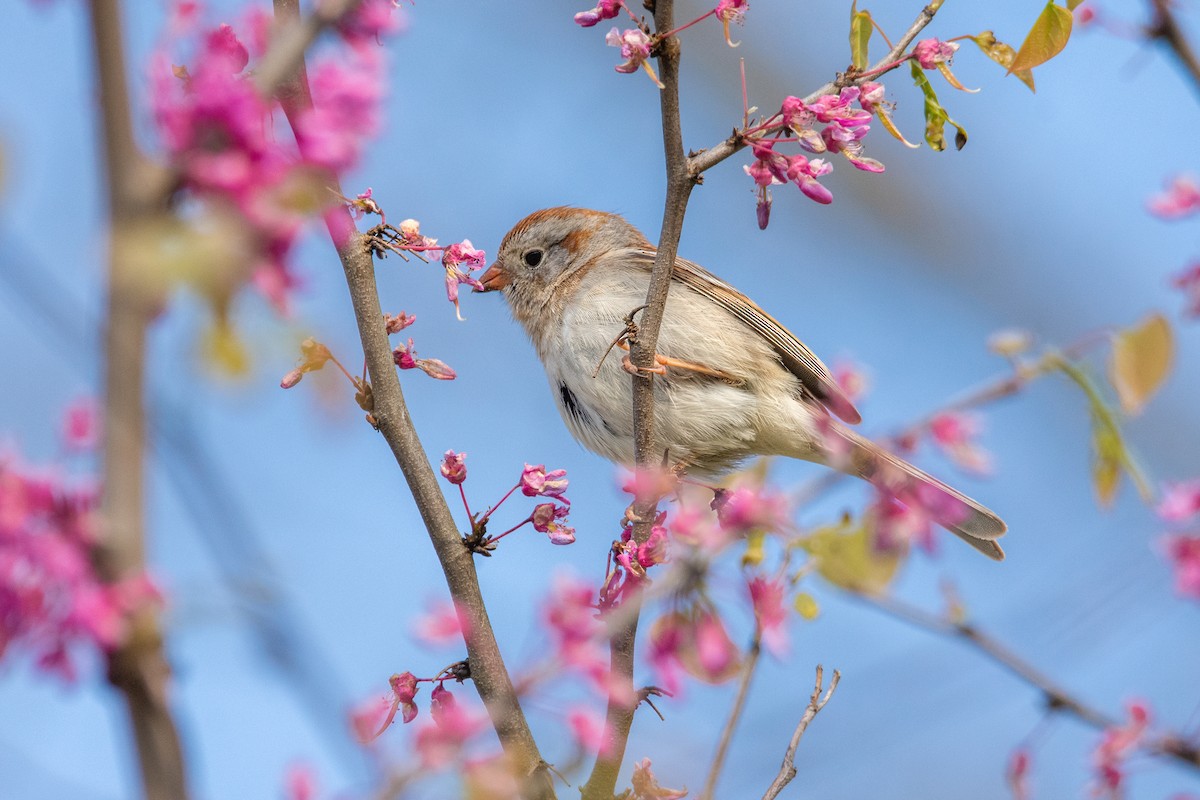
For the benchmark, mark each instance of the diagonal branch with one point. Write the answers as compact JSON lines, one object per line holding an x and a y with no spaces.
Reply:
{"x":390,"y":412}
{"x":735,"y":715}
{"x":705,"y":160}
{"x":816,"y":702}
{"x":1055,"y":696}
{"x":1165,"y":28}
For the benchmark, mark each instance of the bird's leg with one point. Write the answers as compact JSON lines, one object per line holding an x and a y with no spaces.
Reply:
{"x":629,"y":334}
{"x":661,"y":363}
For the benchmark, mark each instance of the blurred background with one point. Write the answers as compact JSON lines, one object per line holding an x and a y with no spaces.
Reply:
{"x":294,"y":558}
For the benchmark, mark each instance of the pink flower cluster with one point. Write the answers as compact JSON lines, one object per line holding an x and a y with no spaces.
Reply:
{"x":844,"y":127}
{"x":1180,"y":199}
{"x":548,"y":518}
{"x":1116,"y":746}
{"x":955,"y":434}
{"x":51,"y":599}
{"x":438,"y":742}
{"x":1180,"y":507}
{"x":218,"y":129}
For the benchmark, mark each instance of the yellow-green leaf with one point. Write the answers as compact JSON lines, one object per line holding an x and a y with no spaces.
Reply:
{"x":1141,"y":361}
{"x":1110,"y":456}
{"x":936,"y":116}
{"x":806,"y":606}
{"x":1046,"y":38}
{"x":886,"y":120}
{"x":1003,"y":55}
{"x":1073,"y":4}
{"x":754,"y":553}
{"x":860,"y":36}
{"x":846,"y":555}
{"x":225,"y":350}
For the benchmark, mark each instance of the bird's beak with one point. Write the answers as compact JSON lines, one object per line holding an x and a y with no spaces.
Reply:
{"x":494,"y":279}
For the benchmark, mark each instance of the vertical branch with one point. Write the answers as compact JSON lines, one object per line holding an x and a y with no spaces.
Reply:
{"x":137,"y":667}
{"x":619,"y":716}
{"x":390,"y":411}
{"x":787,"y":770}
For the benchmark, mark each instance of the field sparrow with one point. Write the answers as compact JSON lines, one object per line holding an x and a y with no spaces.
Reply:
{"x":736,"y":382}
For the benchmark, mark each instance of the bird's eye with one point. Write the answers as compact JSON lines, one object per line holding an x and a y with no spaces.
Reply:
{"x":532,"y":258}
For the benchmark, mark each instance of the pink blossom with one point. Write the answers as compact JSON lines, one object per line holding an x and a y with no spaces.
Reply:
{"x":1084,"y":14}
{"x":1018,"y":774}
{"x":804,"y":173}
{"x":767,"y":598}
{"x":748,"y":508}
{"x":546,"y":518}
{"x":931,"y":52}
{"x":453,"y":467}
{"x":442,"y":740}
{"x":364,"y":203}
{"x":851,"y":378}
{"x":405,"y":357}
{"x":455,"y":257}
{"x":1116,"y":745}
{"x":1184,"y":553}
{"x":1188,"y":282}
{"x":347,"y":98}
{"x":646,"y":787}
{"x":441,"y":625}
{"x":839,"y":108}
{"x":404,"y":690}
{"x":1180,"y":199}
{"x":368,"y":23}
{"x":955,"y":432}
{"x":731,"y":11}
{"x":871,"y":96}
{"x":1180,"y":501}
{"x":398,"y":323}
{"x":300,"y":782}
{"x":570,"y":615}
{"x":81,"y":425}
{"x":695,"y":528}
{"x":906,"y":509}
{"x":715,"y":651}
{"x":590,"y":731}
{"x":635,"y":49}
{"x":605,"y":9}
{"x":695,"y":642}
{"x":371,"y":718}
{"x":536,"y":482}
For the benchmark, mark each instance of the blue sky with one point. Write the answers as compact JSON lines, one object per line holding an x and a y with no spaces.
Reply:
{"x":279,"y":511}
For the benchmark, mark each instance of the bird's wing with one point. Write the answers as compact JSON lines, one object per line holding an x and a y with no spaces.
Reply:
{"x":793,"y":353}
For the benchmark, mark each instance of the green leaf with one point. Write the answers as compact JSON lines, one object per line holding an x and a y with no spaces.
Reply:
{"x":1046,"y":38}
{"x":1141,"y":361}
{"x":846,"y":555}
{"x":1003,"y":55}
{"x":860,"y":35}
{"x":936,"y":116}
{"x":1073,"y":4}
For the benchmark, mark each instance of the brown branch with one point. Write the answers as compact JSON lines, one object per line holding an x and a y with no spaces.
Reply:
{"x":735,"y":714}
{"x":816,"y":702}
{"x":705,"y":160}
{"x":289,"y":44}
{"x":390,"y":412}
{"x":1166,"y":29}
{"x":137,"y":667}
{"x":1055,"y":696}
{"x":619,"y":716}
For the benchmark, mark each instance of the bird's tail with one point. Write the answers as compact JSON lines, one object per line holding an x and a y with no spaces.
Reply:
{"x":975,"y":524}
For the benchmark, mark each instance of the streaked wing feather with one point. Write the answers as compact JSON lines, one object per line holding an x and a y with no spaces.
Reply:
{"x":793,"y":353}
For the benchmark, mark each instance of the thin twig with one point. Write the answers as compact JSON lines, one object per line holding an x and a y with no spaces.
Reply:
{"x":1166,"y":29}
{"x":787,"y":770}
{"x":707,"y":159}
{"x":1055,"y":696}
{"x":735,"y":715}
{"x":390,"y":412}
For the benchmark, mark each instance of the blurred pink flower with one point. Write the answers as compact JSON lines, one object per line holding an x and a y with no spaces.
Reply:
{"x":1180,"y":199}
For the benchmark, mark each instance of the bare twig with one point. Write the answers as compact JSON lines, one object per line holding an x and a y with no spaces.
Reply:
{"x":707,"y":159}
{"x":735,"y":714}
{"x":1165,"y":27}
{"x":137,"y":667}
{"x":390,"y":412}
{"x":787,"y":770}
{"x":1055,"y":696}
